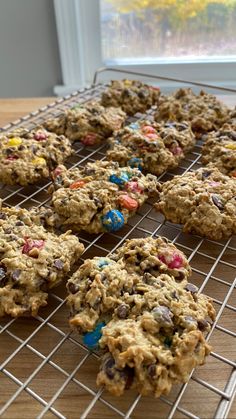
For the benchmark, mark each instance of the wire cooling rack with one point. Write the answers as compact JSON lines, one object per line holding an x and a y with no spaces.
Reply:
{"x":46,"y":372}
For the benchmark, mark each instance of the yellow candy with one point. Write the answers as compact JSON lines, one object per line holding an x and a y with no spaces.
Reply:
{"x":14,"y":142}
{"x":128,"y":82}
{"x":231,"y":146}
{"x":39,"y":161}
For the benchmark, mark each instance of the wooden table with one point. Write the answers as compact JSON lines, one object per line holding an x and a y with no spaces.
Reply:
{"x":73,"y":401}
{"x":12,"y":109}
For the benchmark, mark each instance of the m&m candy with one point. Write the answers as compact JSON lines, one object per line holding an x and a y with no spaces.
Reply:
{"x":113,"y":220}
{"x":119,"y":180}
{"x":14,"y":142}
{"x":135,"y":162}
{"x":103,"y":262}
{"x":89,"y":139}
{"x":78,"y":184}
{"x":91,"y":339}
{"x":127,"y":202}
{"x":39,"y":161}
{"x":134,"y":125}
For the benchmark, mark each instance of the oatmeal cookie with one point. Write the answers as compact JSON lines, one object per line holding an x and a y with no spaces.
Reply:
{"x":151,"y":146}
{"x":99,"y":197}
{"x":140,"y":308}
{"x":203,"y":201}
{"x":220,"y":149}
{"x":28,"y":156}
{"x":32,"y":261}
{"x":204,"y":111}
{"x":89,"y":123}
{"x":131,"y":95}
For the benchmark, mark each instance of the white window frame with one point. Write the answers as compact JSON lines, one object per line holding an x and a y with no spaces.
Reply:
{"x":79,"y":38}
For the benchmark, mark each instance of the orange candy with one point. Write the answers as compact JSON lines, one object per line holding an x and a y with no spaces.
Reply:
{"x":127,"y":202}
{"x":147,"y":129}
{"x":78,"y":184}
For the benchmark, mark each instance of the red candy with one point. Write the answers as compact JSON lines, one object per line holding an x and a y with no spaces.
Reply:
{"x":78,"y":184}
{"x":173,"y":261}
{"x":57,"y":172}
{"x":176,"y":150}
{"x":127,"y":202}
{"x":133,"y":186}
{"x":32,"y":244}
{"x":12,"y":157}
{"x":147,"y":129}
{"x":89,"y":139}
{"x":40,"y":136}
{"x":152,"y":136}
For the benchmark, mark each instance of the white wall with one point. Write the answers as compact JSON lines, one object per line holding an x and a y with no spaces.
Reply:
{"x":29,"y":57}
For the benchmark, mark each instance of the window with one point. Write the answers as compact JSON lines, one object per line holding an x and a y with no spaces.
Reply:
{"x":148,"y":31}
{"x":183,"y":39}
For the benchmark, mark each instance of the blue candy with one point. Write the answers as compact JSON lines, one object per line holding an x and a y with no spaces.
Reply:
{"x":135,"y":162}
{"x":103,"y":262}
{"x":134,"y":125}
{"x":113,"y":220}
{"x":119,"y":180}
{"x":91,"y":339}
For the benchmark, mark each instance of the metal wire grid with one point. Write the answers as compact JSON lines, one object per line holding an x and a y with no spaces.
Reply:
{"x":58,"y":379}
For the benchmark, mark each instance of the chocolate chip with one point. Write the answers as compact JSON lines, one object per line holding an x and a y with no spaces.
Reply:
{"x":89,"y":171}
{"x":168,"y":341}
{"x":2,"y":216}
{"x":33,"y":148}
{"x":232,"y":135}
{"x":205,"y":174}
{"x":3,"y":278}
{"x":175,"y":295}
{"x":19,"y":223}
{"x":108,"y":367}
{"x":203,"y":325}
{"x":217,"y":202}
{"x":170,"y":125}
{"x":181,"y":276}
{"x":191,"y":288}
{"x":126,"y":93}
{"x":72,"y":288}
{"x":97,"y":202}
{"x":151,"y":370}
{"x":16,"y":274}
{"x":129,"y":376}
{"x":7,"y":230}
{"x":163,"y":316}
{"x":181,"y":126}
{"x":58,"y":264}
{"x":122,"y":311}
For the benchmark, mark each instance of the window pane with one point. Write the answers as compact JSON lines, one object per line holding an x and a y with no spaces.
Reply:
{"x":147,"y":31}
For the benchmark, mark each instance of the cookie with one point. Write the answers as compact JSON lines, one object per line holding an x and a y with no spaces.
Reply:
{"x":99,"y":197}
{"x":231,"y":121}
{"x":139,"y":307}
{"x":204,"y":111}
{"x":89,"y":123}
{"x":32,"y":261}
{"x":131,"y":95}
{"x":203,"y":201}
{"x":150,"y":146}
{"x":28,"y":156}
{"x":220,"y":149}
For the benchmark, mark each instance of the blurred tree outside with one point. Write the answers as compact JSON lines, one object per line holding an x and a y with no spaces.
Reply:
{"x":168,"y":28}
